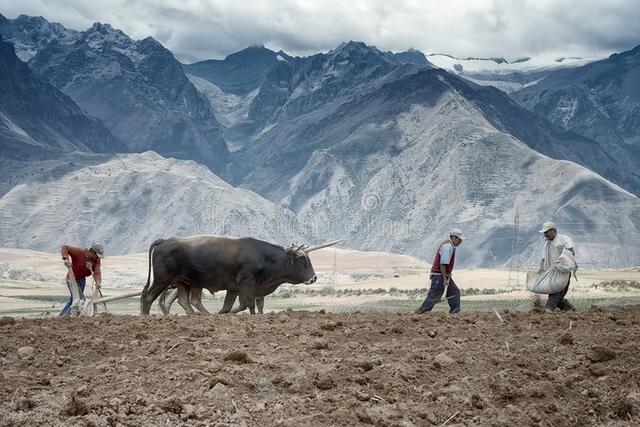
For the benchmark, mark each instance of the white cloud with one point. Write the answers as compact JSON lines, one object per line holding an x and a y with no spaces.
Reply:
{"x":196,"y":30}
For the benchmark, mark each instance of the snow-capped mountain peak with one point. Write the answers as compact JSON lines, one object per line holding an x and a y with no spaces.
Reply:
{"x":461,"y":65}
{"x":30,"y":34}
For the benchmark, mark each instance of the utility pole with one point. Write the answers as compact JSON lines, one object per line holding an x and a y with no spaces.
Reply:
{"x":515,"y":251}
{"x":335,"y":264}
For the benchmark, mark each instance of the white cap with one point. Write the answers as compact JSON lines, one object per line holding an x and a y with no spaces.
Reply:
{"x":456,"y":232}
{"x":98,"y":249}
{"x":546,"y":227}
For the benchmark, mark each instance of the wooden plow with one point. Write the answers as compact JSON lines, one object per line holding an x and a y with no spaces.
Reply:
{"x":89,"y":306}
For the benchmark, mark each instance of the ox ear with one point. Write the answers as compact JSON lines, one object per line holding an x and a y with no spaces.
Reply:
{"x":325,"y":245}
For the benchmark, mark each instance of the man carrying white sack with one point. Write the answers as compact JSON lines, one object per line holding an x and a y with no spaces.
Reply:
{"x":553,"y":246}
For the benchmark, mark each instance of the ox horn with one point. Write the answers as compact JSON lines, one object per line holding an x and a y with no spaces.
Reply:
{"x":315,"y":248}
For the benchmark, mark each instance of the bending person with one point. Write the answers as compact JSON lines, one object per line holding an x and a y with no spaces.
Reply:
{"x":81,"y":263}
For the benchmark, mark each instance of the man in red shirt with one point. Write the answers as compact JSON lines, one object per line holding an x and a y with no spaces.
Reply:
{"x":83,"y":263}
{"x":441,"y":275}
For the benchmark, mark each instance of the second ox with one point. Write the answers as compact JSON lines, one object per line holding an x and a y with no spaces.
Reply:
{"x":246,"y":267}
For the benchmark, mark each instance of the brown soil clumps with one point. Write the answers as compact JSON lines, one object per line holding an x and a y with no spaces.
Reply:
{"x":317,"y":369}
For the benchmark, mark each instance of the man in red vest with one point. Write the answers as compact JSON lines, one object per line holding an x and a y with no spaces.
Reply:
{"x":83,"y":263}
{"x":440,"y":276}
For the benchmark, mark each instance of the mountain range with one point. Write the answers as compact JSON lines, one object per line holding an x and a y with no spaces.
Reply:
{"x":411,"y":151}
{"x":383,"y":150}
{"x":136,"y":88}
{"x":37,"y":120}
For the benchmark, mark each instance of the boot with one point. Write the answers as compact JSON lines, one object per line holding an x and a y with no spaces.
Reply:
{"x":565,"y":305}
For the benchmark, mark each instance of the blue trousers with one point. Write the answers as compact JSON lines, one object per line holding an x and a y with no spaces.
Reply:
{"x":435,"y":294}
{"x":66,"y":311}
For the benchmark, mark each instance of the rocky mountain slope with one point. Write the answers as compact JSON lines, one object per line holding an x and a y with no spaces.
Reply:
{"x":471,"y":176}
{"x":600,"y":101}
{"x":37,"y":120}
{"x":30,"y":34}
{"x":239,"y":73}
{"x":127,"y":201}
{"x":230,"y":109}
{"x":137,"y":88}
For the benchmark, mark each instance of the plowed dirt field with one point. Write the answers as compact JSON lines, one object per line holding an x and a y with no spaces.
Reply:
{"x":298,"y":368}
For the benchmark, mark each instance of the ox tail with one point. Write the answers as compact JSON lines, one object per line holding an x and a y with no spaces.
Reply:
{"x":146,"y":287}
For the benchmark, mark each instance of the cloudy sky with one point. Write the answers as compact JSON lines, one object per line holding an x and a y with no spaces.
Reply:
{"x":201,"y":29}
